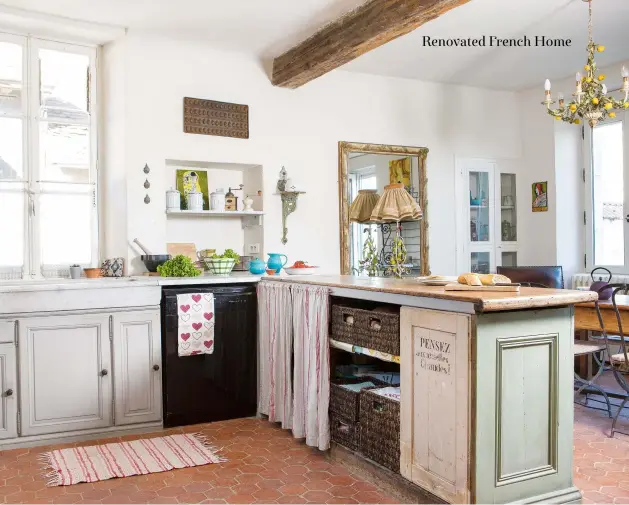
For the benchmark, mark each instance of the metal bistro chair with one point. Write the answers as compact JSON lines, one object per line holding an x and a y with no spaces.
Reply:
{"x":619,"y":362}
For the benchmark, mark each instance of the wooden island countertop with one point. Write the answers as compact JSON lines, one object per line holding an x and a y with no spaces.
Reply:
{"x":483,"y":301}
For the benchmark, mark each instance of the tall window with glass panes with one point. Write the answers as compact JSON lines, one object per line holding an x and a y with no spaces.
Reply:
{"x":48,"y":157}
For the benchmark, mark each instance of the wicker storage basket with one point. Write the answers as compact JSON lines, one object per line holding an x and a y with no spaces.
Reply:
{"x":345,"y":402}
{"x":380,"y":429}
{"x":344,"y":432}
{"x":372,"y":329}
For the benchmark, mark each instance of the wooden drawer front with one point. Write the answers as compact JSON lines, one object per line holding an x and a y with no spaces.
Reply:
{"x":434,"y":409}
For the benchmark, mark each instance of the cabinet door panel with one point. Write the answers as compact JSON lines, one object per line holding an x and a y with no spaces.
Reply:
{"x":434,"y":436}
{"x":137,"y":352}
{"x":8,"y":391}
{"x":65,"y":373}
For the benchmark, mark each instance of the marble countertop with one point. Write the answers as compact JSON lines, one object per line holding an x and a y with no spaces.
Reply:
{"x":483,"y":301}
{"x":15,"y":286}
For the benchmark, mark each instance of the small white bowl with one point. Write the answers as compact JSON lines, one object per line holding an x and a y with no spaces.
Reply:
{"x":301,"y":271}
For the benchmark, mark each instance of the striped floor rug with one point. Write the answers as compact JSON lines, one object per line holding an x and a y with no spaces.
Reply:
{"x":65,"y":467}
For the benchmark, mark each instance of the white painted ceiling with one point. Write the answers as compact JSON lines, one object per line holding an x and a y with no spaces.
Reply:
{"x":268,"y":27}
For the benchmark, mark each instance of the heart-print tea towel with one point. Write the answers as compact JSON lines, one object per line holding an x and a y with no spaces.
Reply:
{"x":196,"y":324}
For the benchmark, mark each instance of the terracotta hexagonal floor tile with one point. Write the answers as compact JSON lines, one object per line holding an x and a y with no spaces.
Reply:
{"x":219,"y":493}
{"x":240,"y":498}
{"x":317,"y":496}
{"x":342,"y":480}
{"x":294,"y":479}
{"x":245,"y":489}
{"x":270,"y":484}
{"x":342,"y":491}
{"x":318,"y":485}
{"x":171,"y":491}
{"x":368,"y":497}
{"x":341,"y":500}
{"x":291,"y":499}
{"x":295,"y":470}
{"x":252,"y":468}
{"x":267,"y":494}
{"x":198,"y":487}
{"x":293,"y":489}
{"x":191,"y":498}
{"x":249,"y":478}
{"x":318,"y":475}
{"x":21,"y":497}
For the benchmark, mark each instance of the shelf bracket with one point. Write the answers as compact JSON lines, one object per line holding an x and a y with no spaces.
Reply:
{"x":289,"y":205}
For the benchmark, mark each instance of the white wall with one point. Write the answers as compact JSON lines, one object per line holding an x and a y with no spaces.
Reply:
{"x":299,"y":129}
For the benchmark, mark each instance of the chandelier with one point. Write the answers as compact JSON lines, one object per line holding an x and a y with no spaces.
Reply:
{"x":591,"y":100}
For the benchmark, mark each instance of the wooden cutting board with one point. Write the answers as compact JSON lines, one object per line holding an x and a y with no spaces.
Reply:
{"x":465,"y":287}
{"x":186,"y":249}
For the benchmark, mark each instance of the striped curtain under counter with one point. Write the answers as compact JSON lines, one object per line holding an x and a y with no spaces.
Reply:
{"x":293,"y":321}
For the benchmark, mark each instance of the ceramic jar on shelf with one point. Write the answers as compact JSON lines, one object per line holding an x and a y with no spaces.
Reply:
{"x":194,"y":201}
{"x":173,"y":199}
{"x":217,"y":200}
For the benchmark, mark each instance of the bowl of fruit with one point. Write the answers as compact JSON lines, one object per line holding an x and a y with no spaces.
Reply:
{"x":301,"y":268}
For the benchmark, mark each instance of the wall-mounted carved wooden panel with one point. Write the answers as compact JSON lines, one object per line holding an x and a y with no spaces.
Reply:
{"x":208,"y":117}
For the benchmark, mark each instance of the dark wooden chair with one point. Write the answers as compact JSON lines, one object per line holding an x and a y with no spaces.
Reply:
{"x":547,"y":276}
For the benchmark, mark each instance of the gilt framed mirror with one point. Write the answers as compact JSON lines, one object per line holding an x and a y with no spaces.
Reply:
{"x":372,"y":167}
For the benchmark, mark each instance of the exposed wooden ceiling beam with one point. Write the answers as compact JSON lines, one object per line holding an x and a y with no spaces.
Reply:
{"x":374,"y":23}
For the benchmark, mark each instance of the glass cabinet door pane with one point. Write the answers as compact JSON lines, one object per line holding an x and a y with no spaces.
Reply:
{"x":508,"y":213}
{"x":509,"y":259}
{"x":480,"y":262}
{"x":479,"y":206}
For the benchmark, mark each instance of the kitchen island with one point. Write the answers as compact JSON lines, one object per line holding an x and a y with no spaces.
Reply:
{"x":486,"y":387}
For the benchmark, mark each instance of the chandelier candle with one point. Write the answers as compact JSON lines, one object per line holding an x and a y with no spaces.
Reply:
{"x":591,"y":101}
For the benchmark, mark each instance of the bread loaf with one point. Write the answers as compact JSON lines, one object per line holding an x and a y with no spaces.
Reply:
{"x":470,"y":279}
{"x":483,"y":279}
{"x":493,"y":279}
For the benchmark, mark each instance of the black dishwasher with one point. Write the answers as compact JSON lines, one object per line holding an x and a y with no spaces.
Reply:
{"x":218,"y":386}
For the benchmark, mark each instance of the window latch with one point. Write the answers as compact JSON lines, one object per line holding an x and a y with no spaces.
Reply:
{"x":31,"y":202}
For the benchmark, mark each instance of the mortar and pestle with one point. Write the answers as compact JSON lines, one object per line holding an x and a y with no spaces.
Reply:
{"x":151,"y":261}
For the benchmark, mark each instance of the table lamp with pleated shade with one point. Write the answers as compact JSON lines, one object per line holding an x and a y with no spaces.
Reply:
{"x":363,"y":205}
{"x":396,"y":204}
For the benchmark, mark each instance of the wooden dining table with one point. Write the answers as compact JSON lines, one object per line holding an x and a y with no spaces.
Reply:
{"x":586,"y":319}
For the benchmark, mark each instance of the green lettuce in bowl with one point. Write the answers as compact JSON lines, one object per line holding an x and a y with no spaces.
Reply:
{"x":222,"y":264}
{"x":179,"y":266}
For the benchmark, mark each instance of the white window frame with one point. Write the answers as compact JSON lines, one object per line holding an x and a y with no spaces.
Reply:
{"x":588,"y":218}
{"x":31,"y":182}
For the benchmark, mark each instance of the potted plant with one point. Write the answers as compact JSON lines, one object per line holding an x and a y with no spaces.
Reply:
{"x":222,"y":264}
{"x":75,"y":271}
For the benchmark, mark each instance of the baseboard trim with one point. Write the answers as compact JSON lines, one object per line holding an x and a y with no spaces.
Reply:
{"x":568,"y":495}
{"x":78,"y":436}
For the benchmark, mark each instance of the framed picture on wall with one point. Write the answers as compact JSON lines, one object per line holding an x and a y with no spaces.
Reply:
{"x":400,"y":172}
{"x":188,"y":180}
{"x":540,"y":196}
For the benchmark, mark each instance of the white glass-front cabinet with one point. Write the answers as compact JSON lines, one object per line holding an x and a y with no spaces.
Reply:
{"x":487,"y":231}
